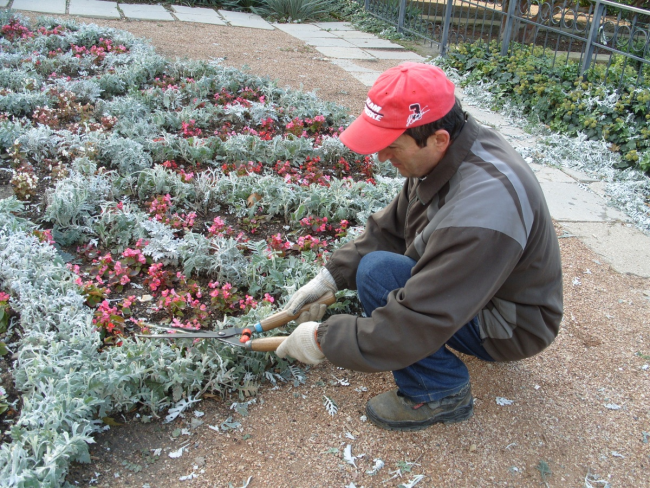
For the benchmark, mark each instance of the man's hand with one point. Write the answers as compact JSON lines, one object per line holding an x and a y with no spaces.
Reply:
{"x":315,"y":313}
{"x":312,"y":291}
{"x":302,"y":345}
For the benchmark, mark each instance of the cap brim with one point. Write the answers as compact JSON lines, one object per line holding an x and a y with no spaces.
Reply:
{"x":365,"y":138}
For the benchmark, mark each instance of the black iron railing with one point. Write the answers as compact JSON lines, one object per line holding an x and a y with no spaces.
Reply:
{"x":585,"y":32}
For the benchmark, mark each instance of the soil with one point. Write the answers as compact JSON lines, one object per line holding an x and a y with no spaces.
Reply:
{"x":580,"y":411}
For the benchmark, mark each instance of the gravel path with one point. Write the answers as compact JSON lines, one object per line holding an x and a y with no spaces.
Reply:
{"x":579,"y":411}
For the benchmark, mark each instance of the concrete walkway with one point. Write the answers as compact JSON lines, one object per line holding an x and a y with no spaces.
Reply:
{"x":574,"y":199}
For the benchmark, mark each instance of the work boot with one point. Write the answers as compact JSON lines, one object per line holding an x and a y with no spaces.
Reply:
{"x":393,"y":411}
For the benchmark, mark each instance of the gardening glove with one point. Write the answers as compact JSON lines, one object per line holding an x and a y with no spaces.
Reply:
{"x":312,"y":291}
{"x":302,"y":345}
{"x":314,"y":314}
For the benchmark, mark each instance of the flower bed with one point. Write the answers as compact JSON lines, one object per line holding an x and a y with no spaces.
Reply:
{"x":186,"y":193}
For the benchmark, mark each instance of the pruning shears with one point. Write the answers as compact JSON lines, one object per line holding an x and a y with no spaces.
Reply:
{"x":241,"y":336}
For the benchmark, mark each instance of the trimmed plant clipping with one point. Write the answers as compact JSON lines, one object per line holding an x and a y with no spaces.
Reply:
{"x":151,"y":192}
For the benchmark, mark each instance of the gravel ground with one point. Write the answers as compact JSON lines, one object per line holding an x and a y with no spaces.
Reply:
{"x":580,"y":411}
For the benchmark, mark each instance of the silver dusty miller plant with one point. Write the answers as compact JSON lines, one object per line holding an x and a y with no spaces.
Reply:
{"x":66,"y":379}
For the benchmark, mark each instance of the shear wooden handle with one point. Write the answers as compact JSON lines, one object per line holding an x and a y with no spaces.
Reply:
{"x":266,"y":344}
{"x":283,"y":317}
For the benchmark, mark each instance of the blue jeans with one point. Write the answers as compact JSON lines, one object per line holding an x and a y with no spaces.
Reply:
{"x":436,"y":376}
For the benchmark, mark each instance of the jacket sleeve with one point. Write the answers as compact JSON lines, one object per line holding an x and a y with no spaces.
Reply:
{"x":384,"y":231}
{"x":459,"y":272}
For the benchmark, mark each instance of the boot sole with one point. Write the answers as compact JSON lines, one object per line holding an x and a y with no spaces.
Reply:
{"x":457,"y":415}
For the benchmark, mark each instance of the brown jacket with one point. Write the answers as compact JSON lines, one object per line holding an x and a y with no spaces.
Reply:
{"x":481,"y":233}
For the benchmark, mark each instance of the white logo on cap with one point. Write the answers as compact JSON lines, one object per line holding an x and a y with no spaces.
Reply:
{"x":416,"y":113}
{"x":372,"y":110}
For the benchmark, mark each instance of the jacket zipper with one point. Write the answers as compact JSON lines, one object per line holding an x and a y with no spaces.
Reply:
{"x":408,"y":211}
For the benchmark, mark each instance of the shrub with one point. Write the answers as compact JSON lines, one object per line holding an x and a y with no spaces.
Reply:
{"x":558,"y":97}
{"x":297,"y":10}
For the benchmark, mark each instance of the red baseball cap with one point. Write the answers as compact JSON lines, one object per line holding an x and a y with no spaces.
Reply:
{"x":405,"y":96}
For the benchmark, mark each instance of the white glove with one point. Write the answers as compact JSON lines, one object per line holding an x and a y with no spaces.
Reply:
{"x":302,"y":345}
{"x":315,"y":313}
{"x":312,"y":291}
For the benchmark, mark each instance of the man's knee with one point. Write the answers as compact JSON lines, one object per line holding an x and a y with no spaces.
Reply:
{"x":370,"y":265}
{"x":388,"y":268}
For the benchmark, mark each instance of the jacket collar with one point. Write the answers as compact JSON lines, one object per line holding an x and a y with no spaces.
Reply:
{"x":449,"y":164}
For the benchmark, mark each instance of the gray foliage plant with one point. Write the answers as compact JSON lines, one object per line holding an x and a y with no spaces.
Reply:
{"x":67,"y":380}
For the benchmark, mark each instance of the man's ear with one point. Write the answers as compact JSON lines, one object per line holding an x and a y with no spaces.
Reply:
{"x":441,"y":139}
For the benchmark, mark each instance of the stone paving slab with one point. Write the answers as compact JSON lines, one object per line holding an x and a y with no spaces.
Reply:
{"x":348,"y":65}
{"x":486,"y":117}
{"x":625,"y":247}
{"x":300,"y":28}
{"x":353,"y":34}
{"x":328,"y":42}
{"x":94,"y":8}
{"x":335,"y":26}
{"x":546,"y":174}
{"x":521,"y":143}
{"x":344,"y":53}
{"x":304,"y":31}
{"x":580,"y":176}
{"x":599,"y":188}
{"x":199,"y":15}
{"x":308,"y":35}
{"x":403,"y":55}
{"x":518,"y":138}
{"x":43,"y":6}
{"x":146,"y":12}
{"x":244,"y":19}
{"x":568,"y":202}
{"x":368,"y":79}
{"x":368,"y":43}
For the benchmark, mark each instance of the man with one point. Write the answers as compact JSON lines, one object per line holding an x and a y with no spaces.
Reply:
{"x":465,"y":256}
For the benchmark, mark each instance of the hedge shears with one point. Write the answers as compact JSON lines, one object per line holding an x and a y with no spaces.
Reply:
{"x":240,"y":336}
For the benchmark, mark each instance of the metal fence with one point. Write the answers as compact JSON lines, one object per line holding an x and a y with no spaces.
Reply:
{"x":612,"y":36}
